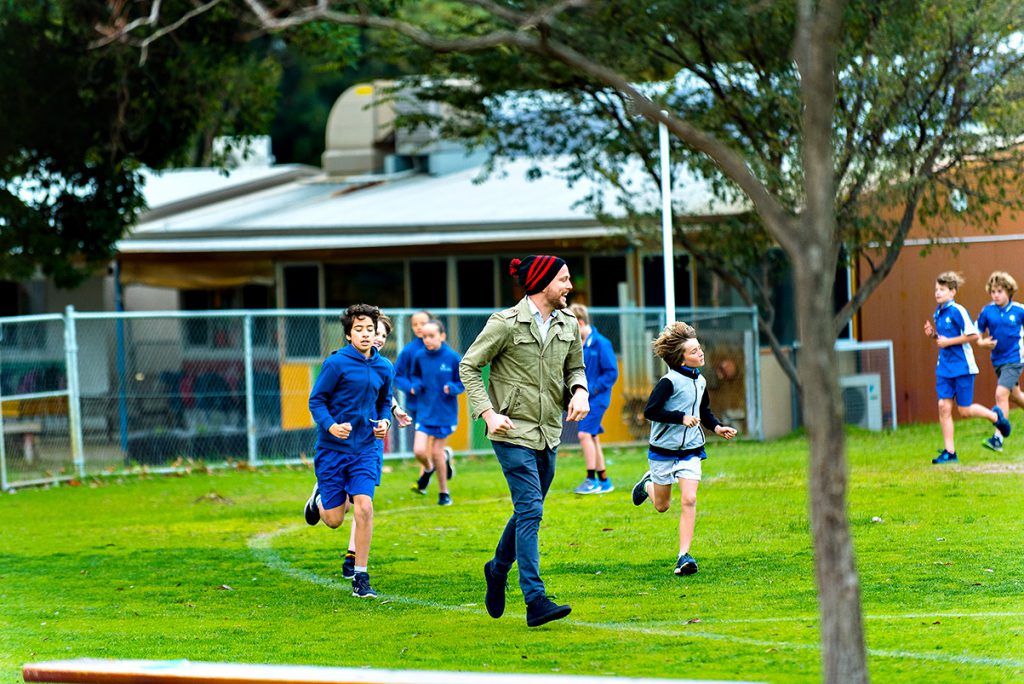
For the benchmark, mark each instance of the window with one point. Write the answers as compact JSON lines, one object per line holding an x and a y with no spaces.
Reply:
{"x":302,"y":291}
{"x":606,"y":273}
{"x":380,"y":284}
{"x":654,"y":281}
{"x":476,"y":283}
{"x":428,"y":284}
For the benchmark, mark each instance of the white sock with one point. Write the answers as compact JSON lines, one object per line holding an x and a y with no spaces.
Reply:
{"x":360,"y":568}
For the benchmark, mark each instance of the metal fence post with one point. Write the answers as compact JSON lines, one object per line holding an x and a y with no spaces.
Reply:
{"x":74,"y":393}
{"x":250,"y":400}
{"x":3,"y":437}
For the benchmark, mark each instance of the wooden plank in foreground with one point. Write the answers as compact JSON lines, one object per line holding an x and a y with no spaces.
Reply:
{"x":97,"y":671}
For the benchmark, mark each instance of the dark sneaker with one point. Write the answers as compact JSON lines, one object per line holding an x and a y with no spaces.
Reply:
{"x":640,"y":489}
{"x":421,"y":484}
{"x":312,"y":510}
{"x":361,"y":586}
{"x":945,"y":457}
{"x":444,"y":499}
{"x":348,"y":566}
{"x":543,"y":610}
{"x":994,"y":443}
{"x":496,"y":585}
{"x":1002,"y":423}
{"x":686,"y":565}
{"x":448,"y":453}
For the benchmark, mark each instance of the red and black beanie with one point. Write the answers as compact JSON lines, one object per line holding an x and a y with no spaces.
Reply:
{"x":535,"y":272}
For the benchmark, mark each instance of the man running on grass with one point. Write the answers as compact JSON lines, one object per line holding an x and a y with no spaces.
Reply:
{"x":536,"y":359}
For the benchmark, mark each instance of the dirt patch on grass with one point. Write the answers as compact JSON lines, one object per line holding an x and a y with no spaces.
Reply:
{"x":995,"y":468}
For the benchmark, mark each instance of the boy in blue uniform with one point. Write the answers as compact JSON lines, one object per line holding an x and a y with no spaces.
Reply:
{"x":348,"y":566}
{"x":1003,"y":319}
{"x":436,"y":383}
{"x":953,"y":331}
{"x":602,"y":371}
{"x":350,"y":404}
{"x":677,"y":408}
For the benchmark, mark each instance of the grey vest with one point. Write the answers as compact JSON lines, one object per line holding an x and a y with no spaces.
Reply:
{"x":686,"y":397}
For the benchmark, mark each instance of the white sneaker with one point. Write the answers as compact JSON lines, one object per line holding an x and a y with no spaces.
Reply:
{"x":448,"y":453}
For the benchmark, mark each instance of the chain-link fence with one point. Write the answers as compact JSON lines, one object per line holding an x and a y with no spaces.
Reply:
{"x":88,"y":393}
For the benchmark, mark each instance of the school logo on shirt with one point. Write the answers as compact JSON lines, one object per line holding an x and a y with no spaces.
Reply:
{"x":948,"y":319}
{"x":445,"y":367}
{"x":1013,"y":319}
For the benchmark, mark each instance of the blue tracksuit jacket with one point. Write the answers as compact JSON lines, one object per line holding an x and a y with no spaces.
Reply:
{"x":431,"y":371}
{"x":351,"y":389}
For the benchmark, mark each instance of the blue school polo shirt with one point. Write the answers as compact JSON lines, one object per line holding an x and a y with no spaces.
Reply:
{"x":952,"y":320}
{"x":1006,"y":325}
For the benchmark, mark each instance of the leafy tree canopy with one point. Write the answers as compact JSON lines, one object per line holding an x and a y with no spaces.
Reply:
{"x":80,"y":123}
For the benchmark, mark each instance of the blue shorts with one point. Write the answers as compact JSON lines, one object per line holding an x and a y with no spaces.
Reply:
{"x":340,"y":475}
{"x":592,"y":423}
{"x":438,"y":431}
{"x":380,"y":460}
{"x":961,"y":387}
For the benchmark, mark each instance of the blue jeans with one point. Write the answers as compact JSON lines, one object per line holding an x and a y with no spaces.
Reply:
{"x":529,"y":473}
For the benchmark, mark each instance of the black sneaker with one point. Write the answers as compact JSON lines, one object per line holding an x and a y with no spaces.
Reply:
{"x":444,"y":499}
{"x":312,"y":510}
{"x":640,"y":489}
{"x":945,"y":457}
{"x":994,"y":443}
{"x":421,"y":484}
{"x":348,"y":566}
{"x":496,"y":585}
{"x":686,"y":565}
{"x":543,"y":610}
{"x":361,"y":586}
{"x":448,"y":453}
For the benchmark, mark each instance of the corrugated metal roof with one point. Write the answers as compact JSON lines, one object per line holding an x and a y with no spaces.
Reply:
{"x":462,"y":207}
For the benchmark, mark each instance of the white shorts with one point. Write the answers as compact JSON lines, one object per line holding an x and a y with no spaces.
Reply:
{"x":667,"y":472}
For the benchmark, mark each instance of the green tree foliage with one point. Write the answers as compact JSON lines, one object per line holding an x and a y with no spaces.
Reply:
{"x":80,"y":123}
{"x":928,"y":102}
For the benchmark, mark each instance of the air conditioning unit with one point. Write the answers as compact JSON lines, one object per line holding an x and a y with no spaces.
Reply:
{"x":862,"y":400}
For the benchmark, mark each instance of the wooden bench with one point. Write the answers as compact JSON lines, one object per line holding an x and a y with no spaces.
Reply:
{"x":186,"y":672}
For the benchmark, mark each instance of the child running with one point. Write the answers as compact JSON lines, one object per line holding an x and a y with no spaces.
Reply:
{"x":602,"y":372}
{"x":349,"y":404}
{"x":1003,"y":320}
{"x":436,"y":384}
{"x":348,"y":566}
{"x":677,"y":408}
{"x":403,"y":381}
{"x":953,"y":331}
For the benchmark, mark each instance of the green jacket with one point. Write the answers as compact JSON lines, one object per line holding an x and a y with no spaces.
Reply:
{"x":529,"y":380}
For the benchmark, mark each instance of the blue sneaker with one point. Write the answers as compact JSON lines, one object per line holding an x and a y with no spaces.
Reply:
{"x":945,"y":457}
{"x":994,"y":443}
{"x":686,"y":565}
{"x":1002,"y":424}
{"x":361,"y":586}
{"x":588,"y":486}
{"x":605,"y":486}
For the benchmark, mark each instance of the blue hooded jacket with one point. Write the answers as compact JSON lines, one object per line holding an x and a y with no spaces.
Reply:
{"x":602,"y":368}
{"x":431,"y":371}
{"x":351,"y":389}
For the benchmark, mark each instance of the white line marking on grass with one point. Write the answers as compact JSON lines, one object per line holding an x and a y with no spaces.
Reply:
{"x":814,"y":618}
{"x":260,"y":545}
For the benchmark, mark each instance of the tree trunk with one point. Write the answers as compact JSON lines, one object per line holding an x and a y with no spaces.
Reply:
{"x":842,"y":633}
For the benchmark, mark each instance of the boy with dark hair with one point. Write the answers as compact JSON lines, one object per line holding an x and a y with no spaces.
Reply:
{"x":677,"y":408}
{"x":350,"y":404}
{"x":435,"y":380}
{"x":953,"y":331}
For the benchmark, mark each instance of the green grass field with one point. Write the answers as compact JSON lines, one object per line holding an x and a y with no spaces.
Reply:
{"x":221,"y":567}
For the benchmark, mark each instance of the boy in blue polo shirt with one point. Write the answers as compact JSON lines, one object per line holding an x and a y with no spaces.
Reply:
{"x":436,"y":382}
{"x":953,"y":331}
{"x":350,"y":404}
{"x":1004,"y":321}
{"x":602,"y":371}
